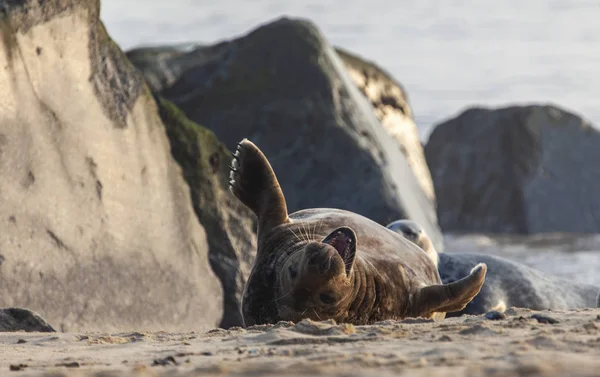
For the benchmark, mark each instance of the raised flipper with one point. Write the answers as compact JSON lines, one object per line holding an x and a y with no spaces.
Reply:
{"x":253,"y":181}
{"x":451,"y":297}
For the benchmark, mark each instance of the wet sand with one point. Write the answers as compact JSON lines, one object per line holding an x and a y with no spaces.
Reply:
{"x":471,"y":346}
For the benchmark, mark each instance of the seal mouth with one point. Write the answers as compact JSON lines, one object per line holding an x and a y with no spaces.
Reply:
{"x":343,"y":240}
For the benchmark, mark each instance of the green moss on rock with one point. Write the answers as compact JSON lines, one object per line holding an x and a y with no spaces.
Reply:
{"x":229,"y":225}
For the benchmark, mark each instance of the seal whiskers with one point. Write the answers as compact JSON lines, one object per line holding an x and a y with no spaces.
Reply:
{"x":316,"y":226}
{"x":306,"y":235}
{"x":317,"y":314}
{"x":283,"y":296}
{"x":295,"y":235}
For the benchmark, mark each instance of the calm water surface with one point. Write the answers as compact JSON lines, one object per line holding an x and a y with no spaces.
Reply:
{"x":448,"y":54}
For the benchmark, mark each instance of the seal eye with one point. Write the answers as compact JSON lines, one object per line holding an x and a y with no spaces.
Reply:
{"x":326,"y":299}
{"x":411,"y":234}
{"x":292,"y":272}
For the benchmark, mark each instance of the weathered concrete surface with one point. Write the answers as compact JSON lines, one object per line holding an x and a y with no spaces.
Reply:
{"x":521,"y":169}
{"x":231,"y":227}
{"x":98,"y":230}
{"x":286,"y":89}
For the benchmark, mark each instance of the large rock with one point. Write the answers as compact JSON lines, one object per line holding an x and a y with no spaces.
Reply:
{"x":283,"y":87}
{"x":98,"y":229}
{"x":521,"y":169}
{"x":390,"y":102}
{"x":164,"y":65}
{"x":17,"y":319}
{"x":229,"y":224}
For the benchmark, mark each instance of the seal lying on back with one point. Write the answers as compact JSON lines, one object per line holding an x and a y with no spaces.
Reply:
{"x":333,"y":264}
{"x":507,"y":283}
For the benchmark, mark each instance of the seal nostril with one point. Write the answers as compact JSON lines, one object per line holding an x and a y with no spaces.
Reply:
{"x":326,"y":298}
{"x":293,"y":272}
{"x":325,"y":266}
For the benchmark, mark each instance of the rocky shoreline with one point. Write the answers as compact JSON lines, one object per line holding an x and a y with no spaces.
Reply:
{"x":116,"y":211}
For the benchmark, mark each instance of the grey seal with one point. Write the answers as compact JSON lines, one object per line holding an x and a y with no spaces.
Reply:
{"x":507,"y":283}
{"x":327,"y":263}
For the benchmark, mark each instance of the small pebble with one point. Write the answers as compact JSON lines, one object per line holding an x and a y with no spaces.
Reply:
{"x":16,"y":368}
{"x":593,"y":326}
{"x":169,"y":360}
{"x":74,"y":364}
{"x":544,"y":319}
{"x":495,"y":315}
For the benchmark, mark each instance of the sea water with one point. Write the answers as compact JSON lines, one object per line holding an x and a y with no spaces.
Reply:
{"x":448,"y":54}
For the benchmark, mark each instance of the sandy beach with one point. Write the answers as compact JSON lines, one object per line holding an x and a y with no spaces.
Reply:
{"x":471,"y":346}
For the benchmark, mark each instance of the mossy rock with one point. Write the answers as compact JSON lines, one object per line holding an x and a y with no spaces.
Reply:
{"x":229,"y":225}
{"x":98,"y":228}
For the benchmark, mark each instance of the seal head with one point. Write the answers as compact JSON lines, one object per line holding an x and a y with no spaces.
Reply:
{"x":325,"y":263}
{"x":415,"y":233}
{"x":317,"y":279}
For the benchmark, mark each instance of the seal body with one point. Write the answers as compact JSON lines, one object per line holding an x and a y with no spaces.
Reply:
{"x":510,"y":283}
{"x":507,"y":283}
{"x":326,"y":263}
{"x":385,"y":271}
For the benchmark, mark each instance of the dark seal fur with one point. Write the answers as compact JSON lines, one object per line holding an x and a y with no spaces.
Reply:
{"x":507,"y":283}
{"x":324,"y":263}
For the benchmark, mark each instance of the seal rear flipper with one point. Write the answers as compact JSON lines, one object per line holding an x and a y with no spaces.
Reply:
{"x":451,"y":297}
{"x":253,"y":181}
